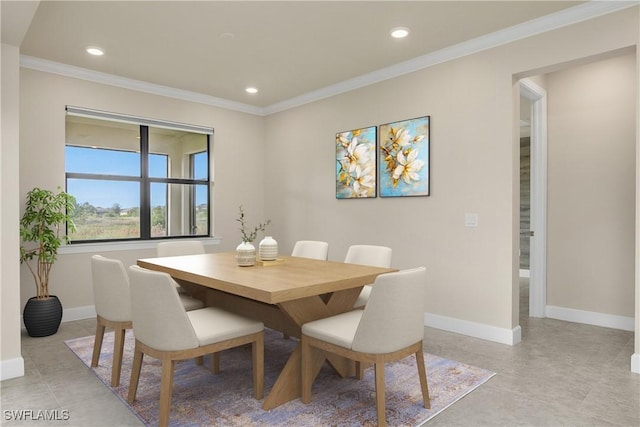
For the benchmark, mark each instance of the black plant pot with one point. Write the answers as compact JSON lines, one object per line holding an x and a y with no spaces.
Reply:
{"x":42,"y":317}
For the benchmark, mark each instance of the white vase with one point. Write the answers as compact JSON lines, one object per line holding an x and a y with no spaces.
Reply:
{"x":268,"y":249}
{"x":246,"y":254}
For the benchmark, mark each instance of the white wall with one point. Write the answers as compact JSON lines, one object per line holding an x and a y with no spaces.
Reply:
{"x":11,"y":362}
{"x":468,"y":267}
{"x":238,"y":155}
{"x":635,"y":358}
{"x":591,"y":182}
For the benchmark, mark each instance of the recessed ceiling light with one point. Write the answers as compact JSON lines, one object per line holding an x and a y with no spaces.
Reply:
{"x":95,"y":51}
{"x":251,"y":89}
{"x":399,"y":32}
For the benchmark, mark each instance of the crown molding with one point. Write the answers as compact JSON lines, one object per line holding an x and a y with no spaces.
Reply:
{"x":47,"y":66}
{"x":570,"y":16}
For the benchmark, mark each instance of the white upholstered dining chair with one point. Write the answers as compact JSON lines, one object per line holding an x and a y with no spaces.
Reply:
{"x":173,"y":334}
{"x":313,"y":249}
{"x":376,"y":256}
{"x":113,"y":308}
{"x":391,"y":327}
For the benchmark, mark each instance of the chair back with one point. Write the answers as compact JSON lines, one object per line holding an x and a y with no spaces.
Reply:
{"x":110,"y":289}
{"x":180,"y":247}
{"x":394,"y":315}
{"x":375,"y":256}
{"x":159,"y":318}
{"x":311,"y":249}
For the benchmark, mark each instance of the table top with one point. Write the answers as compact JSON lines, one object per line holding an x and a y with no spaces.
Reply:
{"x":288,"y":279}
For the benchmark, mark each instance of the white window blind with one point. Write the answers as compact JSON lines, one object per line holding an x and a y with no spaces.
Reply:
{"x":125,"y":118}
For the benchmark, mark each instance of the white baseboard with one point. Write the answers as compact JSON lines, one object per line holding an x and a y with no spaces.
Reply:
{"x":591,"y":318}
{"x":473,"y":329}
{"x":11,"y":368}
{"x":635,"y":363}
{"x":78,"y":313}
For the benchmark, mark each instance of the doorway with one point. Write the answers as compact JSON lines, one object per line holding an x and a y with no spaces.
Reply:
{"x":525,"y":205}
{"x":533,"y":228}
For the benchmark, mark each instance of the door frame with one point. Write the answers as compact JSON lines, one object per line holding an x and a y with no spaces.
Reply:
{"x":538,"y":242}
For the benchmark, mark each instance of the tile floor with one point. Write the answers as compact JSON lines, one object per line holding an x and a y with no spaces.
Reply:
{"x":561,"y":374}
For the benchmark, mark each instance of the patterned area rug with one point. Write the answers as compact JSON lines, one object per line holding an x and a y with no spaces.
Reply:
{"x":201,"y":398}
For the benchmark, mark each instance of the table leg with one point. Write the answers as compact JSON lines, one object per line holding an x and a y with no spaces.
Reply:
{"x":288,"y":385}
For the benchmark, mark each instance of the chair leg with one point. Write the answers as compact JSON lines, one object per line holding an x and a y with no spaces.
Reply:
{"x":422,"y":373}
{"x":135,"y":374}
{"x":97,"y":345}
{"x":380,"y":406}
{"x":166,"y":384}
{"x":215,"y":362}
{"x":118,"y":350}
{"x":305,"y":356}
{"x":257,"y":356}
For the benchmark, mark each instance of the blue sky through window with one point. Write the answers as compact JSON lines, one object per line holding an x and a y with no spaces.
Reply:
{"x":121,"y":163}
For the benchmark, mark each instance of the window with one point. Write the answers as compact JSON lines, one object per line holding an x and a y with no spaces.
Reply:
{"x":136,"y":179}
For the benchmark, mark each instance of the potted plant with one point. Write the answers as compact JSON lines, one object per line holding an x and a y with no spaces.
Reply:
{"x":246,"y":252}
{"x":46,"y":213}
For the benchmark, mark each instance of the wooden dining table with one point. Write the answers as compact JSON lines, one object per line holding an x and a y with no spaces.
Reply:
{"x":283,"y":294}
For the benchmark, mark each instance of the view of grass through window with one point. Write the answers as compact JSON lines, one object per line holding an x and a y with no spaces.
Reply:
{"x":114,"y":192}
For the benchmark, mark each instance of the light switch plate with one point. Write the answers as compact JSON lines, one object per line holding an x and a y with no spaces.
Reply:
{"x":471,"y":220}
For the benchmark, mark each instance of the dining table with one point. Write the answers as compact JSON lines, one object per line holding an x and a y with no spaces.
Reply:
{"x":284,"y":294}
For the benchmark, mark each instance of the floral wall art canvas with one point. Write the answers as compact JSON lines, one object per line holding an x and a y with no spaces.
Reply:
{"x":356,"y":163}
{"x":404,"y":158}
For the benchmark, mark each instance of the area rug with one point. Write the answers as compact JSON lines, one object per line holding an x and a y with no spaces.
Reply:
{"x":201,"y":398}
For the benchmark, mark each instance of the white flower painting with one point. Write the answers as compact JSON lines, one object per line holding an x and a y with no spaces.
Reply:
{"x":404,"y":158}
{"x":356,"y":163}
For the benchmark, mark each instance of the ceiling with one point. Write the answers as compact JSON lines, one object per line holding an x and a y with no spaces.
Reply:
{"x":286,"y":49}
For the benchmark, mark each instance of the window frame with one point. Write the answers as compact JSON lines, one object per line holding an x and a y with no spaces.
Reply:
{"x":145,"y":180}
